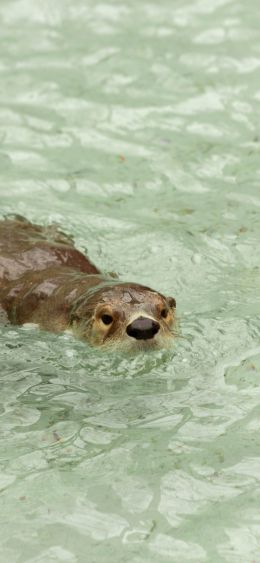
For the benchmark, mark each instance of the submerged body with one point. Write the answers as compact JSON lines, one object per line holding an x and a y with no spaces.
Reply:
{"x":45,"y":280}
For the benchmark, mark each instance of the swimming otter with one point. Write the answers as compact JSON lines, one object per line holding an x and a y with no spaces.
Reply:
{"x":45,"y":280}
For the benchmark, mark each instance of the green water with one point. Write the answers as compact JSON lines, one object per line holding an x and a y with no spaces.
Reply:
{"x":135,"y":126}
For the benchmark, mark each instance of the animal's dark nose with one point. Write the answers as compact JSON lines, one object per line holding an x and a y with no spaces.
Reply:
{"x":142,"y":328}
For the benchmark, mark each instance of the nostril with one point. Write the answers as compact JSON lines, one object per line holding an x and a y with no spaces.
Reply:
{"x":143,"y":328}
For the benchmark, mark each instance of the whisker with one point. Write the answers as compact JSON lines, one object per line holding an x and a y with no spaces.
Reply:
{"x":178,"y":335}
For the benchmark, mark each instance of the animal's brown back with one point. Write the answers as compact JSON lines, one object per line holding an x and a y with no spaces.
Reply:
{"x":25,"y":247}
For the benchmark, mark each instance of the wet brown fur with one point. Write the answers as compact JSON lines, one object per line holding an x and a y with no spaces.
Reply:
{"x":45,"y":280}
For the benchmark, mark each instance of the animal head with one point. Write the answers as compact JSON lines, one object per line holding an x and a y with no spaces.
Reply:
{"x":125,"y":316}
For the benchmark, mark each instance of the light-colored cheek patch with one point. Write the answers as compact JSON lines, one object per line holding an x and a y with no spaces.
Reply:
{"x":30,"y":326}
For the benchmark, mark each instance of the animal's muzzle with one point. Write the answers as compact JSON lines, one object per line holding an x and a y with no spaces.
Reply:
{"x":143,"y":328}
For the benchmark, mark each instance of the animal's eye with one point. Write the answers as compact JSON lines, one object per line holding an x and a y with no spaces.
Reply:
{"x":106,"y":319}
{"x":164,"y":313}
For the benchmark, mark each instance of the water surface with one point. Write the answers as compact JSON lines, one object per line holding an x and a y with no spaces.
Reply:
{"x":136,"y":127}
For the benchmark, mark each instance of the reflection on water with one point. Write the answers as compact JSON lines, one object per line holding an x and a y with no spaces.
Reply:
{"x":135,"y":127}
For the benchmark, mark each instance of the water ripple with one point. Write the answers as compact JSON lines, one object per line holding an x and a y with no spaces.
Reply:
{"x":135,"y":127}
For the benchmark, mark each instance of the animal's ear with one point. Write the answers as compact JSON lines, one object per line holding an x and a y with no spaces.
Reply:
{"x":171,"y":302}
